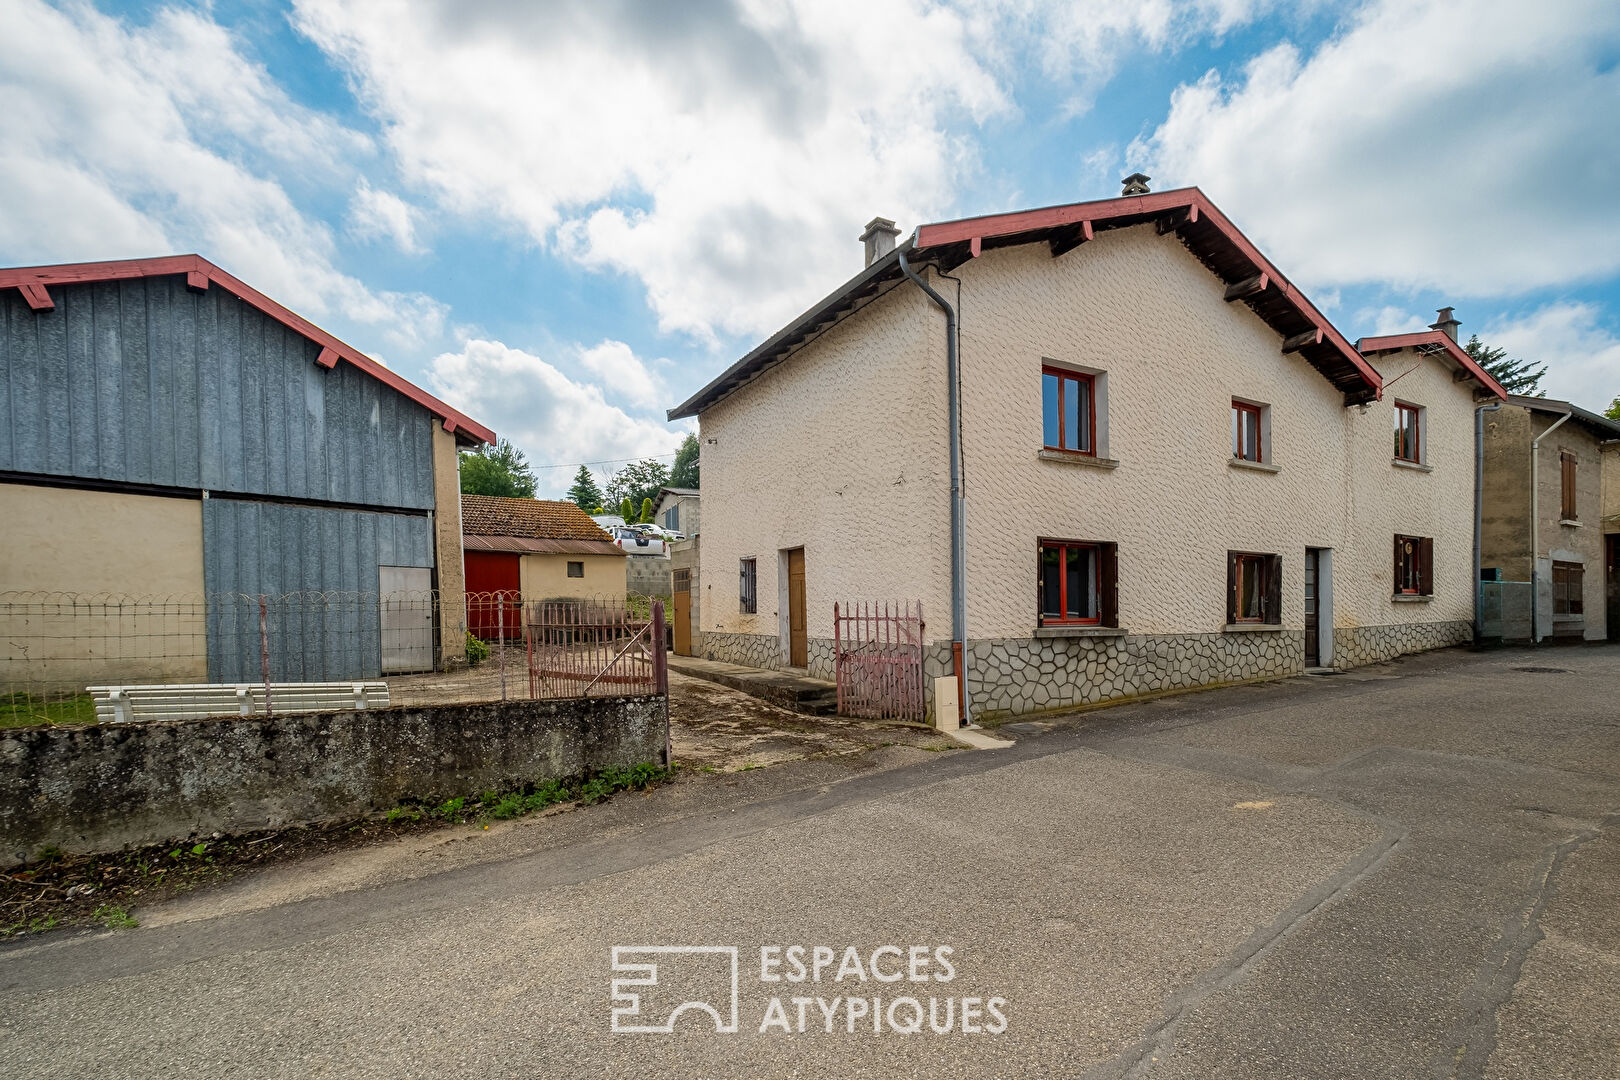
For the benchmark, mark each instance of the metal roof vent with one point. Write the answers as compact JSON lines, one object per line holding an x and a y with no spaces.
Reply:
{"x":1135,"y":184}
{"x":1446,"y":322}
{"x":879,"y":238}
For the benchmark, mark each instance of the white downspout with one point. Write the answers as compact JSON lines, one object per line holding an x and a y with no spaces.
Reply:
{"x":1535,"y":529}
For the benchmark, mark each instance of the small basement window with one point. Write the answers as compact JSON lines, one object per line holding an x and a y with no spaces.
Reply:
{"x":576,"y":569}
{"x":1077,"y":583}
{"x":1068,"y":411}
{"x":1568,"y":578}
{"x":1253,"y":587}
{"x":1409,"y":433}
{"x":1414,"y":566}
{"x":748,"y":587}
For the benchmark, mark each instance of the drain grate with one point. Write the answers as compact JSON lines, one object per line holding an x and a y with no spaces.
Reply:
{"x":1546,"y":670}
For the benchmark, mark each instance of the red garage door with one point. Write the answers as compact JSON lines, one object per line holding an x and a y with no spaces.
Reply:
{"x":493,"y":582}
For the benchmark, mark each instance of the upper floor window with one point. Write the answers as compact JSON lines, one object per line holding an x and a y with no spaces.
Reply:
{"x":1408,"y":432}
{"x":748,"y":587}
{"x":1253,"y":587}
{"x":1566,"y":467}
{"x":1414,"y":566}
{"x":1077,"y":583}
{"x":1248,"y":440}
{"x":1068,"y":411}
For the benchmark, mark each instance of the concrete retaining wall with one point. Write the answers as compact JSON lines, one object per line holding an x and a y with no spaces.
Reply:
{"x":102,"y":788}
{"x":648,"y":575}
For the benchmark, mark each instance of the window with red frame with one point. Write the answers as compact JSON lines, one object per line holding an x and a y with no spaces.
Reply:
{"x":1068,"y":411}
{"x":1253,"y":587}
{"x":1077,"y":584}
{"x":1246,"y":431}
{"x":1414,"y":566}
{"x":1408,"y":432}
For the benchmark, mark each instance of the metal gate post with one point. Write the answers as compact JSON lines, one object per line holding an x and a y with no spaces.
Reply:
{"x":500,"y":636}
{"x":838,"y":659}
{"x":661,"y":673}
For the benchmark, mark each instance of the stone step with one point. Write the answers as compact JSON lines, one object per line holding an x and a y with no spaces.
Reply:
{"x":801,"y":693}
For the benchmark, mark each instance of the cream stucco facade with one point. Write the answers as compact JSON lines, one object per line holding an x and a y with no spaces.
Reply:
{"x":545,"y":577}
{"x":841,"y":449}
{"x":63,"y":582}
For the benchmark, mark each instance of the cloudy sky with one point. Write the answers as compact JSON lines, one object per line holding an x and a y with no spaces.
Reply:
{"x":563,"y":218}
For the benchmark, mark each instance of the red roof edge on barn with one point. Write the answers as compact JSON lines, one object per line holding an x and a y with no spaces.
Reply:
{"x":1423,"y":338}
{"x":34,"y":283}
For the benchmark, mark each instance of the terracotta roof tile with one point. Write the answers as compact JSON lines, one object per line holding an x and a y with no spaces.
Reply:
{"x":489,"y":515}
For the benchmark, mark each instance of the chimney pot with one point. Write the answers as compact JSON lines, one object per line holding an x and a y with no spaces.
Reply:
{"x":1135,"y":184}
{"x":1446,"y":323}
{"x":879,"y":238}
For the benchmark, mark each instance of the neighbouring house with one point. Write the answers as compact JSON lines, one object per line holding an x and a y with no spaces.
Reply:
{"x":532,"y":549}
{"x":1549,"y":537}
{"x":175,"y":435}
{"x":1174,"y":470}
{"x":677,"y":510}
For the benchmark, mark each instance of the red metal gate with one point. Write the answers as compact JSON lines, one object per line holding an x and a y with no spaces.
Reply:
{"x":594,"y":648}
{"x":877,"y":660}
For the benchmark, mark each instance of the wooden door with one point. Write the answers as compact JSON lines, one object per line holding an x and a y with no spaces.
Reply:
{"x":1612,"y":583}
{"x":1313,"y":635}
{"x":798,"y":643}
{"x":682,"y":604}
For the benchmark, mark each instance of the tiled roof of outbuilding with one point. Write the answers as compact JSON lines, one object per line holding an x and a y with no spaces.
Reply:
{"x":542,"y":519}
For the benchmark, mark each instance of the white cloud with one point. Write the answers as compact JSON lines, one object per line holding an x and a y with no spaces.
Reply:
{"x":625,"y":375}
{"x":377,"y":214}
{"x":727,"y":155}
{"x":121,"y":141}
{"x":1386,"y":320}
{"x":547,"y":415}
{"x":1581,"y":354}
{"x":1463,"y":145}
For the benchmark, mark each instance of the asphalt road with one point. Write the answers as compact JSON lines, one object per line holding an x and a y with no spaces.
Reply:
{"x":1410,"y":871}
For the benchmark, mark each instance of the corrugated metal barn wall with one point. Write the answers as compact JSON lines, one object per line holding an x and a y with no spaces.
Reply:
{"x":251,"y":548}
{"x":144,"y":381}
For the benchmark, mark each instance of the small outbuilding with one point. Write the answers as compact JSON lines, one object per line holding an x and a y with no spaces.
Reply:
{"x":533,"y":549}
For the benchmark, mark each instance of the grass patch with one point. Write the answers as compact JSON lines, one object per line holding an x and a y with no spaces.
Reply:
{"x":114,"y":917}
{"x":505,"y":805}
{"x":30,"y":710}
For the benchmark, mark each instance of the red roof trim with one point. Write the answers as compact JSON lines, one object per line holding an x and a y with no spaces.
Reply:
{"x":1393,"y":342}
{"x":1196,"y":204}
{"x":32,"y":281}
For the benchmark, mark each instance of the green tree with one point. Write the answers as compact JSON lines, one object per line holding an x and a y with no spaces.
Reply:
{"x":637,"y":481}
{"x":1613,"y":411}
{"x":585,"y":494}
{"x":626,"y":511}
{"x":685,"y":472}
{"x":646,"y":512}
{"x":497,"y":470}
{"x":1516,"y":376}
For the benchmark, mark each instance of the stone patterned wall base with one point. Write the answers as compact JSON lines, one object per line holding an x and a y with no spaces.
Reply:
{"x":1353,"y":647}
{"x":765,"y":651}
{"x":1013,"y":676}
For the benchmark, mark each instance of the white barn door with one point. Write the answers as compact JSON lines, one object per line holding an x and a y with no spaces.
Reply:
{"x":407,"y":618}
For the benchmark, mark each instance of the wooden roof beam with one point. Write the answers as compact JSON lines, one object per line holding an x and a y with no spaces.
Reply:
{"x":1066,"y":240}
{"x":1312,"y":336}
{"x":1249,"y":286}
{"x":1187,"y":215}
{"x":38,"y":296}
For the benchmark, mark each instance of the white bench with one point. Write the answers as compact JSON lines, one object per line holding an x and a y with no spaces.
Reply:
{"x":183,"y":701}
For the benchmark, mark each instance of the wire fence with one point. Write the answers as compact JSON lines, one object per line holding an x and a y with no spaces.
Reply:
{"x":77,"y":658}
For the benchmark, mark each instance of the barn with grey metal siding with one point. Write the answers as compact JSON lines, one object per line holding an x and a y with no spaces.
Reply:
{"x":313,"y":473}
{"x":144,"y":381}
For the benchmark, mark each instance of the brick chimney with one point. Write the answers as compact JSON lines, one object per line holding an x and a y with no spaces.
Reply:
{"x":1135,"y":184}
{"x":879,"y":238}
{"x":1447,"y":323}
